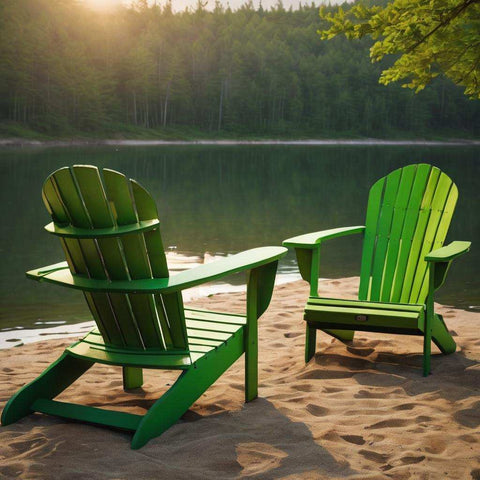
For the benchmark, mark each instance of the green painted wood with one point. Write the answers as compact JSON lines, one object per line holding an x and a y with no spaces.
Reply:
{"x":441,"y":336}
{"x":419,"y":235}
{"x":54,"y":380}
{"x":251,"y":337}
{"x":129,"y":358}
{"x":310,"y":342}
{"x":146,"y":210}
{"x":307,"y":249}
{"x":438,"y":237}
{"x":116,"y":231}
{"x":145,"y":313}
{"x":110,"y":250}
{"x":314,"y":271}
{"x":395,"y":235}
{"x":211,"y":326}
{"x":344,"y":336}
{"x":373,"y":212}
{"x":111,"y":418}
{"x":216,"y":317}
{"x":207,"y":335}
{"x":360,"y":318}
{"x":190,"y":385}
{"x":110,"y":232}
{"x":237,"y":263}
{"x":305,"y":265}
{"x":411,"y":216}
{"x":434,"y":236}
{"x":427,"y":330}
{"x":132,"y":377}
{"x":408,"y":215}
{"x":341,"y":302}
{"x":62,"y":198}
{"x":384,"y":227}
{"x":311,"y":240}
{"x":449,"y":252}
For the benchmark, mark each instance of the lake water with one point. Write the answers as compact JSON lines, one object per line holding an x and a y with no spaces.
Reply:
{"x":220,"y":199}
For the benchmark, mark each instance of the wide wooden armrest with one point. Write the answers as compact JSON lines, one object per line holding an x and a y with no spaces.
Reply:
{"x":312,"y":240}
{"x":60,"y":274}
{"x":445,"y":254}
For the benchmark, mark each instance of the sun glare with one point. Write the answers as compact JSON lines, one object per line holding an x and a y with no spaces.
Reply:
{"x":103,"y":4}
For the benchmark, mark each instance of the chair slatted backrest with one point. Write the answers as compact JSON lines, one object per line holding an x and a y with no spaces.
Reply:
{"x":78,"y":197}
{"x":408,"y":215}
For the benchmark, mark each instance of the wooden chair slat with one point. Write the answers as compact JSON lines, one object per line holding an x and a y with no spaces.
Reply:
{"x":410,"y":222}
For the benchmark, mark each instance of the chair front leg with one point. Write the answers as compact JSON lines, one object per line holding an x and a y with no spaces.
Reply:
{"x":261,"y":281}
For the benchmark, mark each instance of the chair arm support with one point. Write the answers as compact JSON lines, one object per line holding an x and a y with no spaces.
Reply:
{"x":439,"y":262}
{"x":313,"y":240}
{"x":247,"y":260}
{"x":307,"y":249}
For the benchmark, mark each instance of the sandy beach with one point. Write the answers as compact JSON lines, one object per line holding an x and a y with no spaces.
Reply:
{"x":361,"y":411}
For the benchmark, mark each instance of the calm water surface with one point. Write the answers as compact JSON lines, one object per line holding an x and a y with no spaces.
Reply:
{"x":215,"y":200}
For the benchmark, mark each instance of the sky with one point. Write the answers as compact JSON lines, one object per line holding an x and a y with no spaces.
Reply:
{"x":179,"y":5}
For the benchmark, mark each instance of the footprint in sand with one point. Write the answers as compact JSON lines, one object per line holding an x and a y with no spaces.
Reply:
{"x":469,"y":417}
{"x":374,"y":456}
{"x":367,"y":394}
{"x":423,"y":419}
{"x":324,"y":374}
{"x":362,"y":352}
{"x":257,"y":458}
{"x":303,"y":387}
{"x":292,"y":334}
{"x":355,"y":439}
{"x":436,"y":446}
{"x":468,"y":438}
{"x":116,"y":383}
{"x":405,"y":406}
{"x":35,"y":444}
{"x":411,"y":459}
{"x":333,"y":390}
{"x":331,"y":435}
{"x":392,"y":423}
{"x":317,"y":410}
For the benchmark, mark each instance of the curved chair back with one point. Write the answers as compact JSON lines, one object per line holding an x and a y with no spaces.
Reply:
{"x":109,"y":229}
{"x":408,"y":215}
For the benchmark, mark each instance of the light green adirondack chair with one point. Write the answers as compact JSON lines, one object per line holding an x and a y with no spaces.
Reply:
{"x":403,"y":263}
{"x":110,"y":233}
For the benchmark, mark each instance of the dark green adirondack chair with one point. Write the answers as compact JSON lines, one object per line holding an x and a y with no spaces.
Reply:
{"x":110,"y":233}
{"x":403,"y":263}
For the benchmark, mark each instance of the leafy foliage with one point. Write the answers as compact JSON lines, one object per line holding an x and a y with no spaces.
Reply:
{"x":65,"y":68}
{"x":430,"y":36}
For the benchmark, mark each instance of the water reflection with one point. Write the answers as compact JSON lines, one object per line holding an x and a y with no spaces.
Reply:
{"x":222,"y":199}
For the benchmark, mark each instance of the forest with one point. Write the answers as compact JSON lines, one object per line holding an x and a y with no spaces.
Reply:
{"x":66,"y":70}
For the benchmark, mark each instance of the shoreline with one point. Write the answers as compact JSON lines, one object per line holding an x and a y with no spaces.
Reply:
{"x":17,"y":336}
{"x":21,"y":142}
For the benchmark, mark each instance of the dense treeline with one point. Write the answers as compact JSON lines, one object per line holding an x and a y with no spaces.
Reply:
{"x":64,"y":67}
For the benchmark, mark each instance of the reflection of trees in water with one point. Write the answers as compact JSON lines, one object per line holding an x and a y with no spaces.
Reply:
{"x":228,"y":198}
